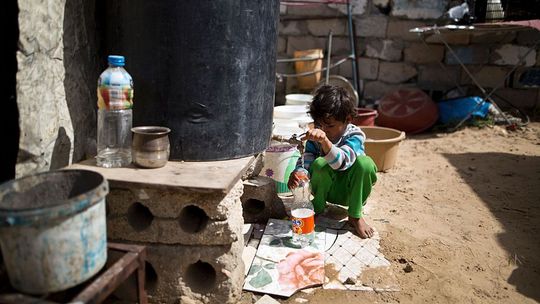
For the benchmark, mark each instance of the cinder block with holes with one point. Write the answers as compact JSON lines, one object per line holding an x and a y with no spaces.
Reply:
{"x":190,"y":274}
{"x":260,"y":200}
{"x":144,"y":214}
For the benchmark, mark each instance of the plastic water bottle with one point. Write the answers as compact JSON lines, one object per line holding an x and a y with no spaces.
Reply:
{"x":303,"y":215}
{"x":114,"y":119}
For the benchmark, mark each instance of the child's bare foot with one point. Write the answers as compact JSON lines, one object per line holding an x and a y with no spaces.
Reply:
{"x":361,"y":227}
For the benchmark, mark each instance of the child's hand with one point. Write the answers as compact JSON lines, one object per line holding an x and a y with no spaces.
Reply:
{"x":316,"y":135}
{"x":296,"y":177}
{"x":319,"y":136}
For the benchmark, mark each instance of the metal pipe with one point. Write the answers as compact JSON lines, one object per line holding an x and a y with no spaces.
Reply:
{"x":356,"y":83}
{"x":328,"y":66}
{"x":298,"y":59}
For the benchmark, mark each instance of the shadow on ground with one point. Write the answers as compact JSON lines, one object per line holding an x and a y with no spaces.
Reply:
{"x":494,"y":177}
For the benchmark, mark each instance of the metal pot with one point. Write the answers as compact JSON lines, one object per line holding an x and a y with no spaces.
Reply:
{"x":150,"y":146}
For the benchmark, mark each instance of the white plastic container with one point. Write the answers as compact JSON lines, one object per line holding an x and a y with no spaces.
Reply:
{"x":279,"y":161}
{"x":298,"y":99}
{"x":290,"y":111}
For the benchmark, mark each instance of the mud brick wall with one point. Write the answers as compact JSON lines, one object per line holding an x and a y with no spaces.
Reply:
{"x":390,"y":57}
{"x":194,"y":240}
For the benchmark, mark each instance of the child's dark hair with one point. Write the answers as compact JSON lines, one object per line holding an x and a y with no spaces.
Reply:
{"x":331,"y":101}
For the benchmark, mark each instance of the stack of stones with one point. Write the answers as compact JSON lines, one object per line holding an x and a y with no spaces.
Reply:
{"x":194,"y":239}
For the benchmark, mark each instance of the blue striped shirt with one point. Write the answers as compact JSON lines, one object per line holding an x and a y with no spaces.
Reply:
{"x":343,"y":153}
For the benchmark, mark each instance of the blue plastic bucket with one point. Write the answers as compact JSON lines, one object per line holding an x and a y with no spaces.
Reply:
{"x":53,"y":230}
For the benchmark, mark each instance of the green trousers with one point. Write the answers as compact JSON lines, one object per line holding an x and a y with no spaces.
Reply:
{"x":347,"y":188}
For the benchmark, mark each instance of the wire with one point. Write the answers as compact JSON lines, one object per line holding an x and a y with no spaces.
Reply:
{"x":316,"y":71}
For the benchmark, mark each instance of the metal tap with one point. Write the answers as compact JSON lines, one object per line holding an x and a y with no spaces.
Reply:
{"x":293,"y":140}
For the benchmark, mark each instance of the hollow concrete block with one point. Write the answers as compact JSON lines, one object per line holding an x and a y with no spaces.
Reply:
{"x":195,"y":274}
{"x":169,"y":202}
{"x":260,"y":200}
{"x":164,"y":216}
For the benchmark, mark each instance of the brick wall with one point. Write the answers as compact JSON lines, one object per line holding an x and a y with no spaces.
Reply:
{"x":390,"y":57}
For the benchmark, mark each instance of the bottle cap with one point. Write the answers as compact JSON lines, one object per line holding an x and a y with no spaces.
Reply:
{"x":303,"y":170}
{"x":116,"y":60}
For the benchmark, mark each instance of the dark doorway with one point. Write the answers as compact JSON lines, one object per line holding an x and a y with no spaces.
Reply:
{"x":9,"y":115}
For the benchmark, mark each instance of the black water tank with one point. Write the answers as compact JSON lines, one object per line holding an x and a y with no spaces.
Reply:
{"x":204,"y":68}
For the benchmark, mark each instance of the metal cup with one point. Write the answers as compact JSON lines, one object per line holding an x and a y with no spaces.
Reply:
{"x":150,"y":147}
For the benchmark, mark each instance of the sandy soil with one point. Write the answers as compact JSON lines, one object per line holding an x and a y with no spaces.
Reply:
{"x":461,"y":213}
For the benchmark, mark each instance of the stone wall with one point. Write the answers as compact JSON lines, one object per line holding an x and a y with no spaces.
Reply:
{"x":56,"y":78}
{"x":390,"y":57}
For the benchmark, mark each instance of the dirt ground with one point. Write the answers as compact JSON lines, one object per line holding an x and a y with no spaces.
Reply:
{"x":461,"y":213}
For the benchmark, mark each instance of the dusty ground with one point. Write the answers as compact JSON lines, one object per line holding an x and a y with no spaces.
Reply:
{"x":463,"y":210}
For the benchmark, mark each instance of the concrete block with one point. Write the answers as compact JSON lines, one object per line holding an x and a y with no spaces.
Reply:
{"x":282,"y":9}
{"x":292,"y":27}
{"x":434,"y":77}
{"x":340,"y":45}
{"x":299,"y":43}
{"x":321,"y":27}
{"x":314,"y":11}
{"x":171,"y":217}
{"x":361,"y":45}
{"x":358,"y":7}
{"x":396,"y":72}
{"x":458,"y":38}
{"x":260,"y":200}
{"x":368,"y":68}
{"x":399,"y":29}
{"x":195,"y":274}
{"x":510,"y":54}
{"x":422,"y":53}
{"x":371,"y":26}
{"x":472,"y":54}
{"x":344,"y":69}
{"x":419,"y":9}
{"x":487,"y":76}
{"x":376,"y":89}
{"x":389,"y":50}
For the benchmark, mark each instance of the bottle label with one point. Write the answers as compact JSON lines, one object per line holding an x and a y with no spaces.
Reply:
{"x":303,"y":221}
{"x":115,"y":98}
{"x":115,"y":90}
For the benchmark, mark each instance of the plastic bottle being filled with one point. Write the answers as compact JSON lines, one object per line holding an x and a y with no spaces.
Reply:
{"x":303,"y":214}
{"x":114,"y":117}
